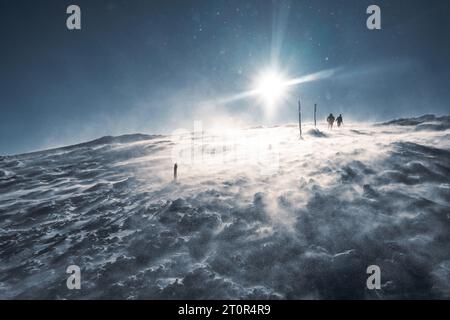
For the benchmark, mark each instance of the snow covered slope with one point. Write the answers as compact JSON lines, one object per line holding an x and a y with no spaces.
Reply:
{"x":255,"y":213}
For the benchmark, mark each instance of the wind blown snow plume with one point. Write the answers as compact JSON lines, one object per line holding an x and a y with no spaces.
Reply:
{"x":264,"y":215}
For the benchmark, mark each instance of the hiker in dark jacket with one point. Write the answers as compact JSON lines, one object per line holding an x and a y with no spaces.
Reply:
{"x":330,"y":121}
{"x":339,"y":121}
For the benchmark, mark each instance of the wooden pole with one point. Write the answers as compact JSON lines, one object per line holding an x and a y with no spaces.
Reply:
{"x":315,"y":113}
{"x":300,"y":118}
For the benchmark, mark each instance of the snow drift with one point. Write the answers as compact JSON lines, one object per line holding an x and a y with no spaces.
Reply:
{"x":260,"y":214}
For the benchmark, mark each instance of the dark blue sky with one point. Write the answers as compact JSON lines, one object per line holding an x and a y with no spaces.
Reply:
{"x":149,"y":66}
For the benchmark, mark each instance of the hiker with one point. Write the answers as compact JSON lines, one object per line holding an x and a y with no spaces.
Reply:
{"x":175,"y":169}
{"x":339,"y":121}
{"x":330,"y":121}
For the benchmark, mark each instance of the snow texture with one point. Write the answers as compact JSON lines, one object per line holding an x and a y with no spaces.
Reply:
{"x":260,"y":214}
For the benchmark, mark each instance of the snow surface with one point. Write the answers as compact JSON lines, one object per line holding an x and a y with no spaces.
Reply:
{"x":255,"y":213}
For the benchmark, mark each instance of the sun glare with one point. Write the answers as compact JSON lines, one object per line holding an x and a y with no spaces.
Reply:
{"x":271,"y":87}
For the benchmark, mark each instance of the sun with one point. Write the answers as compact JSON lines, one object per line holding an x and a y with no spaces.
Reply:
{"x":270,"y":87}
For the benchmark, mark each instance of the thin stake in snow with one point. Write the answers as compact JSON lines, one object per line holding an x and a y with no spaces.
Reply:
{"x":300,"y":118}
{"x":315,"y":113}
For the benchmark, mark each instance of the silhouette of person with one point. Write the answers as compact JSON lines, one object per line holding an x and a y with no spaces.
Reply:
{"x":175,"y":169}
{"x":339,"y":120}
{"x":330,"y":121}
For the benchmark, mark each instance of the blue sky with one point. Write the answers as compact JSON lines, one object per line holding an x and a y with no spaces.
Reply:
{"x":152,"y":66}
